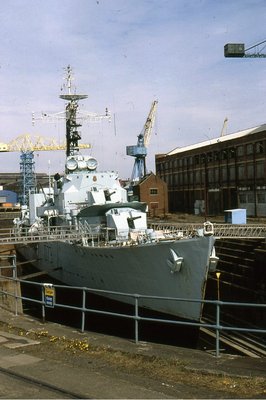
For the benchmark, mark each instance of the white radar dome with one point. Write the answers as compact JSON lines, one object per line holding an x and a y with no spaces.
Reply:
{"x":71,"y":164}
{"x":92,"y":163}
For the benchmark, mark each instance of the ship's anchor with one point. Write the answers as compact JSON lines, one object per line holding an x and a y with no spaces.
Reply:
{"x":175,"y":262}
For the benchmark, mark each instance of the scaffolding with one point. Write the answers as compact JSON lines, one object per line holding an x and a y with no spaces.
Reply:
{"x":27,"y":176}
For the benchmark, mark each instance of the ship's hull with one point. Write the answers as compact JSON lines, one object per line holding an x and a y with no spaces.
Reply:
{"x":143,"y":269}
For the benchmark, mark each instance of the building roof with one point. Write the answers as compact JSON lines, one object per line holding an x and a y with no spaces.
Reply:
{"x":145,"y":178}
{"x":220,"y":139}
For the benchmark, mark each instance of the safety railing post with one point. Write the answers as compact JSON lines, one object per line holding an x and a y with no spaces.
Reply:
{"x":14,"y":276}
{"x":83,"y":310}
{"x":136,"y":319}
{"x":217,"y":329}
{"x":43,"y":304}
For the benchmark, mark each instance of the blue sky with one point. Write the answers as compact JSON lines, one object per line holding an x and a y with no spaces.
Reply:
{"x":125,"y":54}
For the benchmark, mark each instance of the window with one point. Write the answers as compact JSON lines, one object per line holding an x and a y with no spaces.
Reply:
{"x":209,"y":157}
{"x":232,"y":173}
{"x":249,"y":148}
{"x":197,"y":176}
{"x":250,"y":197}
{"x":240,"y":150}
{"x":261,"y":198}
{"x":203,"y":158}
{"x":259,"y":147}
{"x":260,"y":170}
{"x":224,"y":154}
{"x":196,"y":160}
{"x":216,"y":175}
{"x":224,"y":174}
{"x":232,"y":152}
{"x":241,"y":171}
{"x":153,"y":191}
{"x":216,"y":156}
{"x":250,"y":171}
{"x":210,"y":175}
{"x":242,"y":198}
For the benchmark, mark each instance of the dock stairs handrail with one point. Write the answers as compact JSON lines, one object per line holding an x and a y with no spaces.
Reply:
{"x":220,"y":230}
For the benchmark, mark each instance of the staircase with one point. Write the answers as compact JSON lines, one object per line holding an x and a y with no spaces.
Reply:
{"x":243,"y":274}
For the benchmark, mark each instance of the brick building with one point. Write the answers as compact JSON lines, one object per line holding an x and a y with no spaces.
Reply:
{"x":224,"y":173}
{"x":153,"y":191}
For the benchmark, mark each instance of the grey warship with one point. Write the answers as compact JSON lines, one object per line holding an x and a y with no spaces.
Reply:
{"x":118,"y":251}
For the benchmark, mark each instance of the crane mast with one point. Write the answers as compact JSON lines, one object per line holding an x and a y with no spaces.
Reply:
{"x":238,"y":50}
{"x":139,"y":151}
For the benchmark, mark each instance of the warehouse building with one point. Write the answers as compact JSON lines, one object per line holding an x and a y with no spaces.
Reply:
{"x":13,"y":181}
{"x":228,"y":172}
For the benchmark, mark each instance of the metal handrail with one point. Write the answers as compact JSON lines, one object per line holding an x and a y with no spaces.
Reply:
{"x":248,"y":231}
{"x":48,"y":234}
{"x":217,"y":327}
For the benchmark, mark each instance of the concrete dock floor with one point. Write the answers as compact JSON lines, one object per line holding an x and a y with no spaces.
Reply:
{"x":93,"y":365}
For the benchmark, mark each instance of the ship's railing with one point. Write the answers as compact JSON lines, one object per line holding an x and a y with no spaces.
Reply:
{"x":28,"y":235}
{"x":85,"y":232}
{"x":47,"y":299}
{"x":248,"y":231}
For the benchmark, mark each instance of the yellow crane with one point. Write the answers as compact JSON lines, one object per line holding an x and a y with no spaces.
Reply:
{"x":29,"y":142}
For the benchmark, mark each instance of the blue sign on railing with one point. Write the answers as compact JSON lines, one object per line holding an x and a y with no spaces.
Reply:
{"x":49,"y":295}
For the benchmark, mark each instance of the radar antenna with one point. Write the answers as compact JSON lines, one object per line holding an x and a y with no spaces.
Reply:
{"x":72,"y":114}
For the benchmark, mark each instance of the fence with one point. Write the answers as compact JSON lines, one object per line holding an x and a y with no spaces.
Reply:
{"x":48,"y":300}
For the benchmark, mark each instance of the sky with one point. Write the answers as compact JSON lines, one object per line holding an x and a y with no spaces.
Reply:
{"x":125,"y":54}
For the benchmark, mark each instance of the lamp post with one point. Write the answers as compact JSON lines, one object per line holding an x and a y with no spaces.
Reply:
{"x":218,"y":274}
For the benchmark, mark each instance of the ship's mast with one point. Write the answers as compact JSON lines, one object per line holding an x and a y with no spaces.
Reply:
{"x":71,"y":114}
{"x":72,"y":133}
